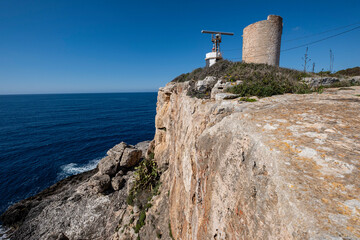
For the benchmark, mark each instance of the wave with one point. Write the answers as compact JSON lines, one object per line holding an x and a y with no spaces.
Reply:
{"x":75,"y":168}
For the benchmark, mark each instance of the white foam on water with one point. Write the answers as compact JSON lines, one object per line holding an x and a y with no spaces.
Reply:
{"x":74,"y":168}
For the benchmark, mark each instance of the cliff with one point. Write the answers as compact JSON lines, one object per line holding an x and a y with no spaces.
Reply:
{"x":283,"y":167}
{"x":280,"y":168}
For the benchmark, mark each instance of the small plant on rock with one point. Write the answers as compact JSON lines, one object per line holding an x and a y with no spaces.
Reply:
{"x":146,"y":175}
{"x":141,"y":222}
{"x":246,"y":99}
{"x":146,"y":179}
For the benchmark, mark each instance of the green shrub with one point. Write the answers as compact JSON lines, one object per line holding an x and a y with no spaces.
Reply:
{"x":340,"y":84}
{"x":246,"y":99}
{"x":350,"y":72}
{"x":147,"y":206}
{"x":233,"y":71}
{"x":260,"y":80}
{"x":146,"y":178}
{"x":141,"y":222}
{"x":267,"y":85}
{"x":216,"y":70}
{"x":325,"y":73}
{"x":319,"y":89}
{"x":146,"y":175}
{"x":130,"y":198}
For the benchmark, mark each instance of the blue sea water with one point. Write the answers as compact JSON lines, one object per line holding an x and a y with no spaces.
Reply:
{"x":45,"y":138}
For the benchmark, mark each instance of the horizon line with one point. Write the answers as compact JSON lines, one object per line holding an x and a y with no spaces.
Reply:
{"x":62,"y":93}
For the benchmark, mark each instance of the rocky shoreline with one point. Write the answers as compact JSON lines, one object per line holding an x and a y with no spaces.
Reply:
{"x":84,"y":206}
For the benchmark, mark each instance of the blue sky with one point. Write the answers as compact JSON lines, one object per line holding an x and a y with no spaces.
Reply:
{"x":49,"y":46}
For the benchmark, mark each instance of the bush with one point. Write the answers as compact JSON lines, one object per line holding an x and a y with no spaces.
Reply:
{"x":146,"y":176}
{"x":216,"y":70}
{"x":130,"y":198}
{"x":340,"y":84}
{"x":146,"y":184}
{"x":350,"y":72}
{"x":267,"y":85}
{"x":232,"y":71}
{"x":260,"y":80}
{"x":246,"y":99}
{"x":141,"y":222}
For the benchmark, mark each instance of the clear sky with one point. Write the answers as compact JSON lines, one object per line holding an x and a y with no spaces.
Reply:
{"x":67,"y":46}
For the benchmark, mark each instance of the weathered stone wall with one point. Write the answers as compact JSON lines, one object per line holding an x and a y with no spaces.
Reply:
{"x":262,"y":40}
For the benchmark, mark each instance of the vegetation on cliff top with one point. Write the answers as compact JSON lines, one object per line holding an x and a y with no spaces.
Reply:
{"x":260,"y":80}
{"x":233,"y":71}
{"x":349,"y":72}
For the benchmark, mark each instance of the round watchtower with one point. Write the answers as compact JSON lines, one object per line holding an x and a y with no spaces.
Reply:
{"x":262,"y":41}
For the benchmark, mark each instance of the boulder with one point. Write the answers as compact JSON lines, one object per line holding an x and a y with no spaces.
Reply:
{"x":150,"y":149}
{"x":117,"y":151}
{"x":118,"y":182}
{"x":108,"y":166}
{"x":130,"y":181}
{"x":354,"y":79}
{"x":320,"y":81}
{"x":100,"y":183}
{"x":136,"y":209}
{"x":143,"y":146}
{"x":205,"y":85}
{"x":221,"y":86}
{"x":130,"y":157}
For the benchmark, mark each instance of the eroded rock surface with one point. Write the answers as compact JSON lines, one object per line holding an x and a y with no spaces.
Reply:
{"x":326,"y":81}
{"x":86,"y":206}
{"x":285,"y":167}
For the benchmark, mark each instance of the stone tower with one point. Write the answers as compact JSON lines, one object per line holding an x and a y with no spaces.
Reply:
{"x":262,"y":40}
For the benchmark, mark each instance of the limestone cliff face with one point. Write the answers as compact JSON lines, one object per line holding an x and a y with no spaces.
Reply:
{"x":285,"y":167}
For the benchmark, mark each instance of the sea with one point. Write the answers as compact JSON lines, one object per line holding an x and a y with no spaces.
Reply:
{"x":47,"y":137}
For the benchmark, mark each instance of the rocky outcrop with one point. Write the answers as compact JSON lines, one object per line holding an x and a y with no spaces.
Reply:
{"x":283,"y":167}
{"x":327,"y":81}
{"x":221,"y":86}
{"x":206,"y":85}
{"x":86,"y":206}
